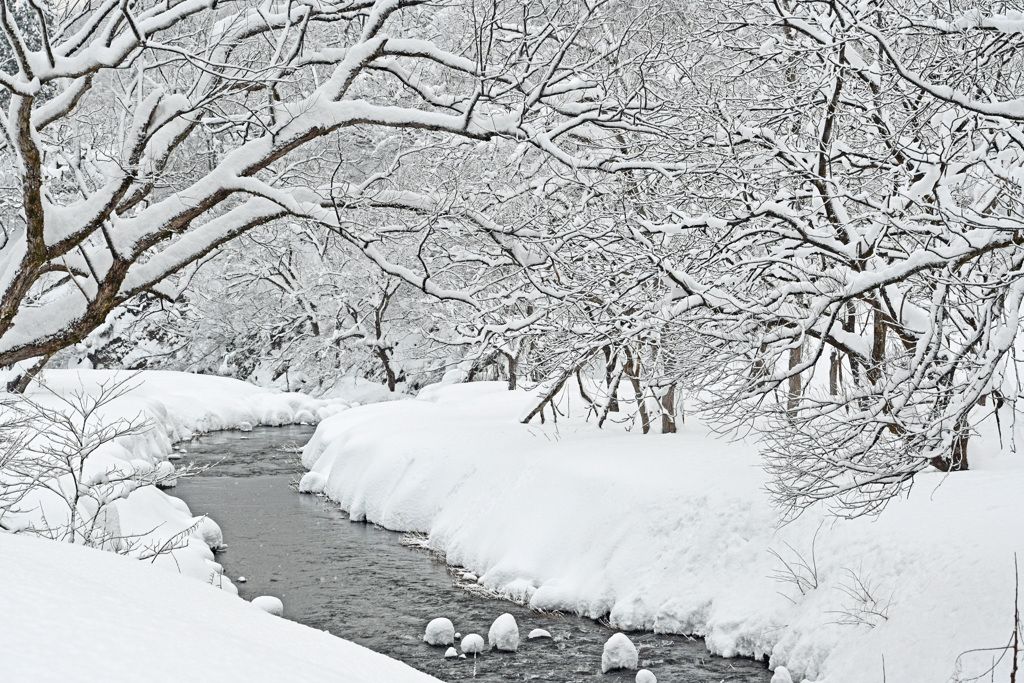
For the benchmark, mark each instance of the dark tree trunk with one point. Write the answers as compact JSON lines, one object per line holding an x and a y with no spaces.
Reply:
{"x":795,"y":381}
{"x":668,"y":411}
{"x":957,"y":459}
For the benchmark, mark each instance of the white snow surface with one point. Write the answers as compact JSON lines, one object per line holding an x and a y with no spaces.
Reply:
{"x":439,"y":631}
{"x":619,"y":653}
{"x":781,"y":675}
{"x":672,"y":533}
{"x":538,"y":633}
{"x":77,"y":614}
{"x":472,"y":643}
{"x":269,"y":604}
{"x":645,"y":676}
{"x":504,"y":633}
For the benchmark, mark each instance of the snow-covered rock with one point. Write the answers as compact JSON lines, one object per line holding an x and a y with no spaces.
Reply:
{"x":245,"y":426}
{"x":504,"y":633}
{"x":619,"y":653}
{"x":165,"y":475}
{"x":781,"y":675}
{"x":538,"y":633}
{"x":451,"y":653}
{"x":645,"y":676}
{"x":440,"y":631}
{"x":209,"y":531}
{"x":472,"y":644}
{"x":312,"y":482}
{"x":269,"y":604}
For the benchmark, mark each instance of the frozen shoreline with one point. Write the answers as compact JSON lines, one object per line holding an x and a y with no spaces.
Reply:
{"x":674,"y":533}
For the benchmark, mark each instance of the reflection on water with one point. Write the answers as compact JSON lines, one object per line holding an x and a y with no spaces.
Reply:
{"x":358,"y":582}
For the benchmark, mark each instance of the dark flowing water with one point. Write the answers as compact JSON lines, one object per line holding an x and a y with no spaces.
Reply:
{"x":359,"y":582}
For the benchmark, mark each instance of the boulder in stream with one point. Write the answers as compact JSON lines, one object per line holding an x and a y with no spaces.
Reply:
{"x":504,"y":633}
{"x":209,"y":531}
{"x":440,"y":631}
{"x":619,"y":653}
{"x":472,"y":644}
{"x":269,"y":604}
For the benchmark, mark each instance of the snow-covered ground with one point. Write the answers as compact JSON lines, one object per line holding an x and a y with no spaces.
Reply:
{"x":674,"y":533}
{"x":76,"y":614}
{"x":664,"y":532}
{"x":69,"y":613}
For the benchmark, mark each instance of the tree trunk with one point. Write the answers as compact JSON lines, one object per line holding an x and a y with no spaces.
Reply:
{"x":668,"y":411}
{"x":513,"y":368}
{"x":957,"y":459}
{"x":611,"y":379}
{"x":632,"y":371}
{"x":834,"y":373}
{"x":795,"y":381}
{"x":20,"y":383}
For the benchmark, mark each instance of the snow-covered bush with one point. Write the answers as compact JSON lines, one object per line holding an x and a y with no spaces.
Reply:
{"x":54,"y":482}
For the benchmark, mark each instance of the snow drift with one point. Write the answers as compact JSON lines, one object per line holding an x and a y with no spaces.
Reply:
{"x":79,"y":614}
{"x":674,"y":533}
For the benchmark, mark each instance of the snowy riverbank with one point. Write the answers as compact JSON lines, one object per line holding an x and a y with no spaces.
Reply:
{"x":674,"y":533}
{"x":171,"y":407}
{"x":74,"y":613}
{"x":77,"y":614}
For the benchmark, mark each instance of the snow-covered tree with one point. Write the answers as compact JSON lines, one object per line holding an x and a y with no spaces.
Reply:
{"x":851,"y":278}
{"x":175,"y":127}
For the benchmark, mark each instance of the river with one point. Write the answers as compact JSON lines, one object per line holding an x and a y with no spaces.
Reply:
{"x":360,"y":582}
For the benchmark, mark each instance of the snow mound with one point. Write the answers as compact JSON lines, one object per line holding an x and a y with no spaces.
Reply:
{"x":142,"y":467}
{"x":209,"y":532}
{"x":619,"y":653}
{"x":472,"y":644}
{"x":504,"y":633}
{"x":645,"y":676}
{"x":538,"y":633}
{"x":165,"y":478}
{"x":245,"y":426}
{"x":312,"y":482}
{"x":451,"y":653}
{"x":782,"y":675}
{"x":270,"y":605}
{"x":117,"y":620}
{"x":440,"y":631}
